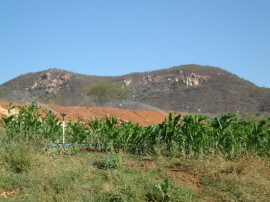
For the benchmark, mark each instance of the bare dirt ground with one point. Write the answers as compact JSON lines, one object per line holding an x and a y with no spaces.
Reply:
{"x":142,"y":117}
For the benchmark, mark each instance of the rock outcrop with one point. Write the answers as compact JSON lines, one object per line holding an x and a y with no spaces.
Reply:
{"x":51,"y":82}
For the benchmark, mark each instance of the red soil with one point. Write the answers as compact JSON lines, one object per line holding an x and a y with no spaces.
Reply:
{"x":142,"y":117}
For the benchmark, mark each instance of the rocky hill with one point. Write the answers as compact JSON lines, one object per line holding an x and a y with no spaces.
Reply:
{"x":187,"y":88}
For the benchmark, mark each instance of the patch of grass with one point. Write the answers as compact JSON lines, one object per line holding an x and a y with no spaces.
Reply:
{"x":17,"y":157}
{"x":2,"y":133}
{"x":93,"y":176}
{"x":77,"y":178}
{"x":246,"y":179}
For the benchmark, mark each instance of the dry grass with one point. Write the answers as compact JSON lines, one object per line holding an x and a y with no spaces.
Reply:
{"x":54,"y":175}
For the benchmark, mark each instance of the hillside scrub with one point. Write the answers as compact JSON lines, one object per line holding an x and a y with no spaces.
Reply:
{"x":213,"y":90}
{"x":104,"y":92}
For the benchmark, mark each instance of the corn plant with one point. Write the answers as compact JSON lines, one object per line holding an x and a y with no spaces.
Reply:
{"x":259,"y":137}
{"x":189,"y":135}
{"x":96,"y":134}
{"x":169,"y":130}
{"x":224,"y":133}
{"x":50,"y":127}
{"x":25,"y":124}
{"x":143,"y":139}
{"x":30,"y":125}
{"x":194,"y":137}
{"x":77,"y":132}
{"x":9,"y":123}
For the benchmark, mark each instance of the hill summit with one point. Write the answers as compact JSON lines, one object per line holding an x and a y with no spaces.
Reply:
{"x":186,"y":88}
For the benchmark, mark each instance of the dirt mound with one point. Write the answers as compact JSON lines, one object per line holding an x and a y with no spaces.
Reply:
{"x":142,"y":117}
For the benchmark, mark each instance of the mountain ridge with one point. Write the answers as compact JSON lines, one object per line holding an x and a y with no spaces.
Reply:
{"x":186,"y":88}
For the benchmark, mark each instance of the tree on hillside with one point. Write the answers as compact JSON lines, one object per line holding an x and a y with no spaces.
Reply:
{"x":105,"y":92}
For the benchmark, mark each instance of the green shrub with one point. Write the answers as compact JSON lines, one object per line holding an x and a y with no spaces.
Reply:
{"x":109,"y":162}
{"x":106,"y":92}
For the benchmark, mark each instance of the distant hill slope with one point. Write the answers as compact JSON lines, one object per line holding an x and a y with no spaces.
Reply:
{"x":186,"y":88}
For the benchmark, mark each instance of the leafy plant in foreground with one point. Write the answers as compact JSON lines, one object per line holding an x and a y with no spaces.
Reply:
{"x":193,"y":135}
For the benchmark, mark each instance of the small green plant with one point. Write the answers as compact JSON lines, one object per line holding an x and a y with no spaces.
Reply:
{"x":164,"y":190}
{"x":17,"y":157}
{"x":109,"y":162}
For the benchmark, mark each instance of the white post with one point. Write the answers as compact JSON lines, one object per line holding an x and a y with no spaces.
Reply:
{"x":63,"y":124}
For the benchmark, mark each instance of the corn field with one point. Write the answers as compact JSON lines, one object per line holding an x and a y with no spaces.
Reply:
{"x":193,"y":135}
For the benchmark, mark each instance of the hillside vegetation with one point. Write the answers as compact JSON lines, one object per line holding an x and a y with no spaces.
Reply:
{"x":186,"y":88}
{"x":104,"y":92}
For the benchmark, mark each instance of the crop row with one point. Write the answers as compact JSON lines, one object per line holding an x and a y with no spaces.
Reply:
{"x":187,"y":135}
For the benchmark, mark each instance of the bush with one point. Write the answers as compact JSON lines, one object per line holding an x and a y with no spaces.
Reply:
{"x":106,"y":92}
{"x":109,"y":162}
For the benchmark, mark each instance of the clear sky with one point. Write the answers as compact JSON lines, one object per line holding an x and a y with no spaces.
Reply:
{"x":115,"y":37}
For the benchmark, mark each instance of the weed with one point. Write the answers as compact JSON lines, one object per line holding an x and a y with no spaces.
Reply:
{"x":110,"y":161}
{"x":17,"y":156}
{"x":164,"y":190}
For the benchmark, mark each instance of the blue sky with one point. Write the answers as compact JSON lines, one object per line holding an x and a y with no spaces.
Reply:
{"x":115,"y":37}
